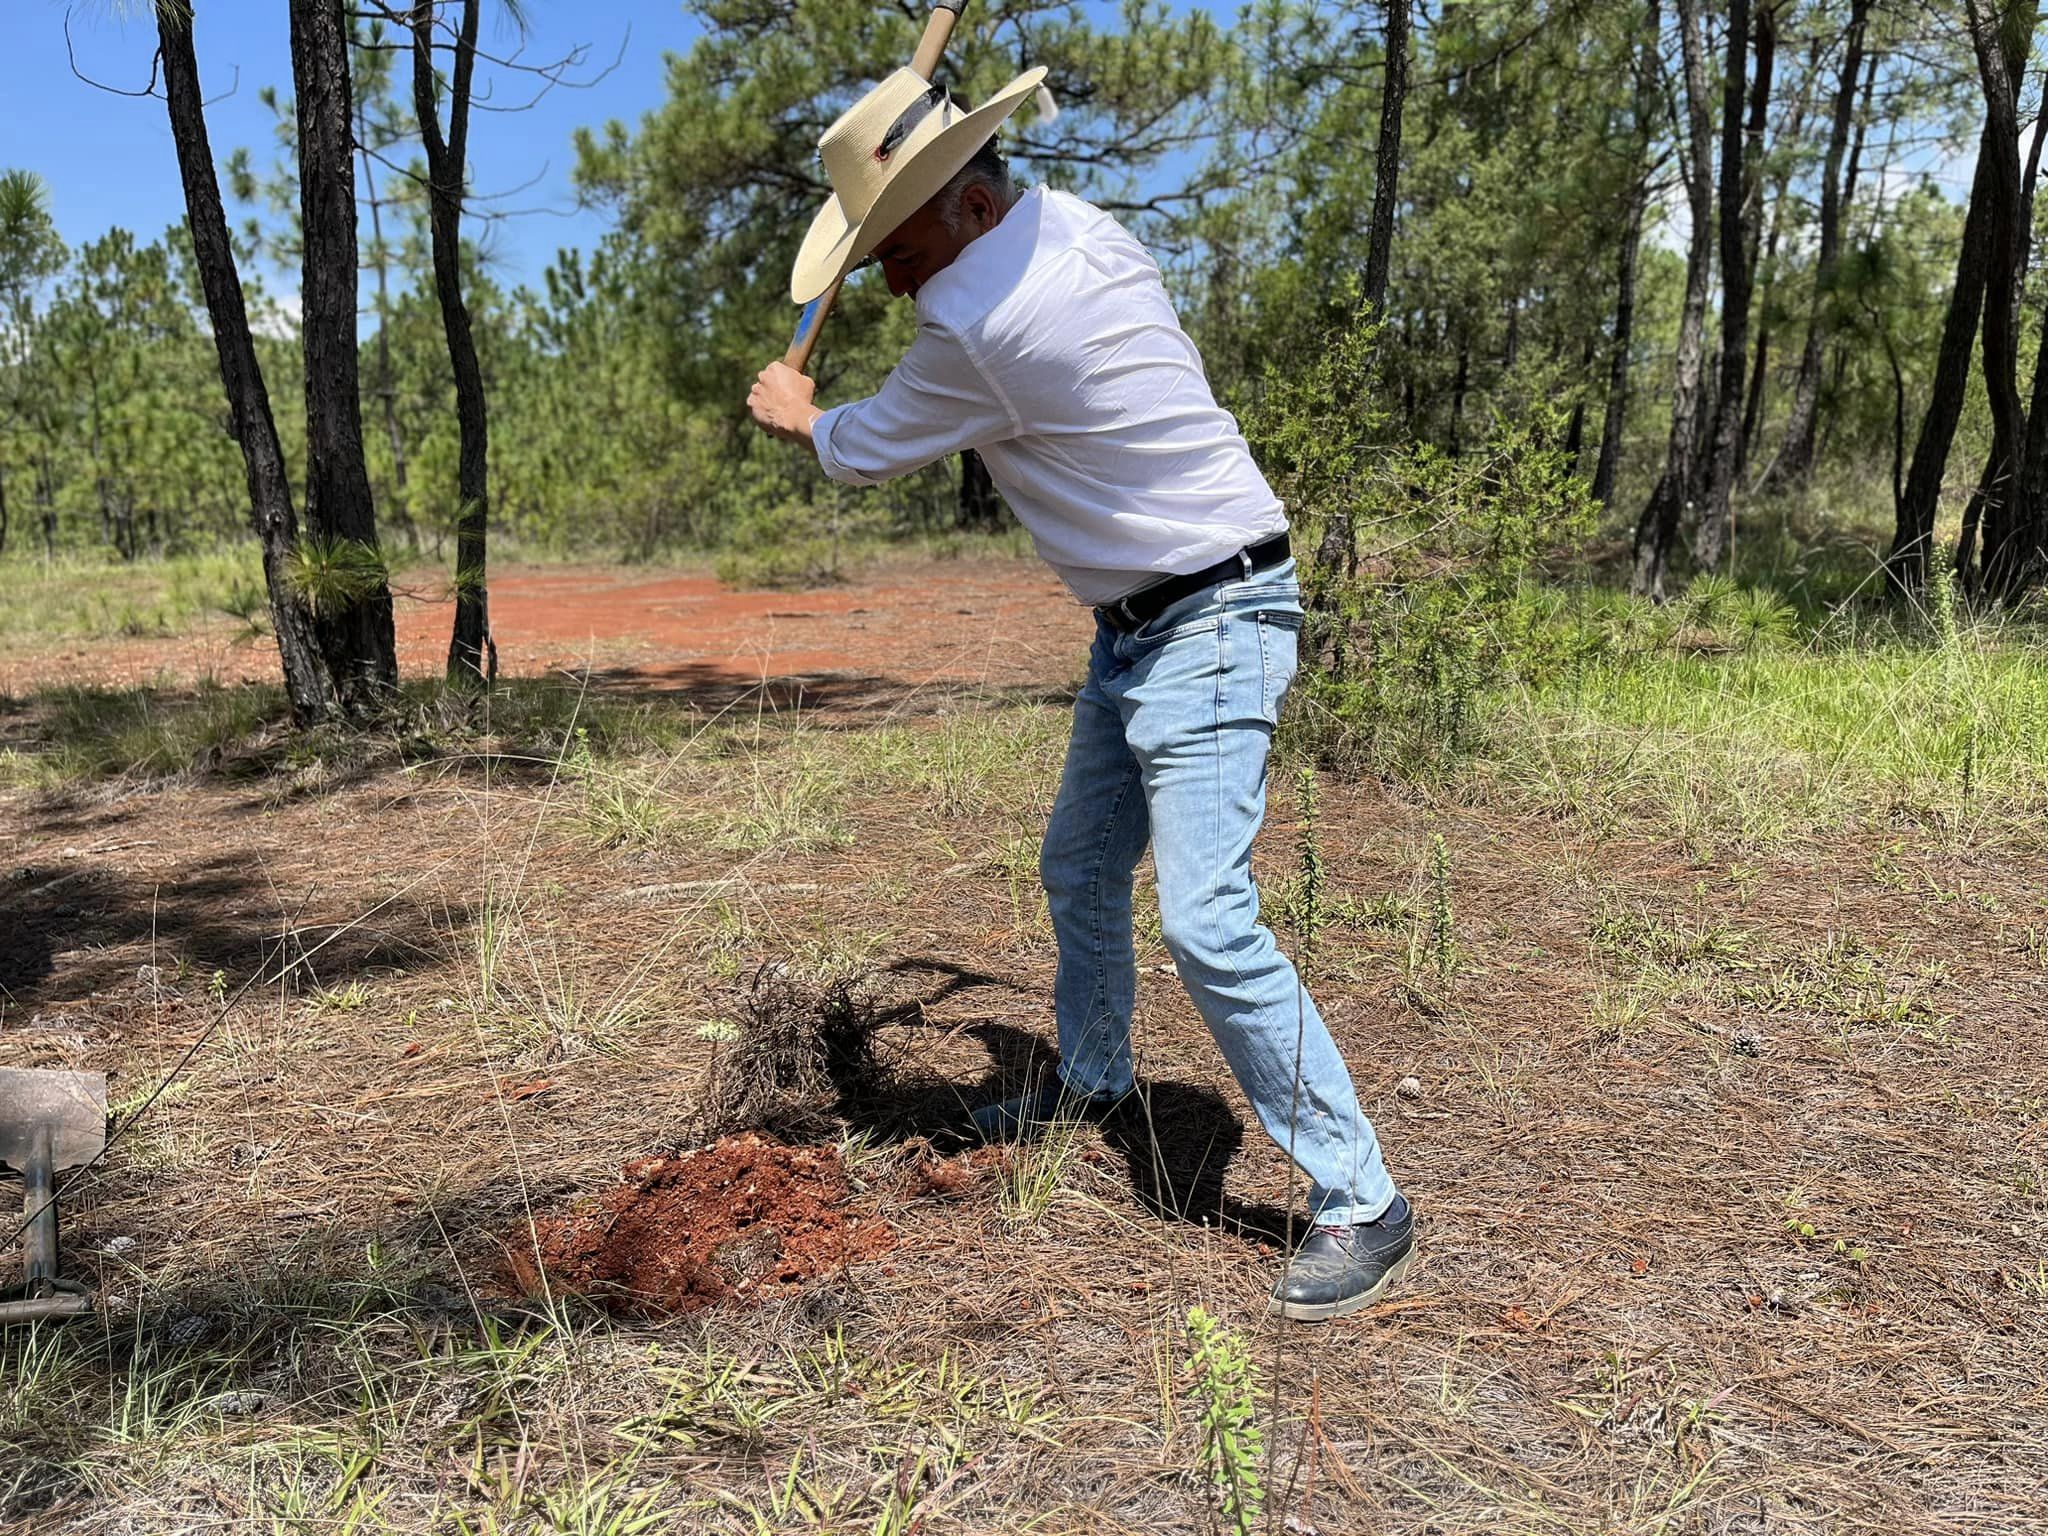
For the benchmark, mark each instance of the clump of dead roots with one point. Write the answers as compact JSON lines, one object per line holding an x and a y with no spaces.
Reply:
{"x":804,"y":1044}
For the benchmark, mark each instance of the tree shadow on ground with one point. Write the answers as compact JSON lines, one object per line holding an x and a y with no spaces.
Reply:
{"x":517,"y":735}
{"x":835,"y":700}
{"x":1175,"y":1139}
{"x":219,"y":913}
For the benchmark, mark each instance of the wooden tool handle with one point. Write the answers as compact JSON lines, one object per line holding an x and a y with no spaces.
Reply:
{"x":930,"y":49}
{"x":808,"y":323}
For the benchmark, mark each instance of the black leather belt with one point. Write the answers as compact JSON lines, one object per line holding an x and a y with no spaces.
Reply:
{"x":1147,"y":603}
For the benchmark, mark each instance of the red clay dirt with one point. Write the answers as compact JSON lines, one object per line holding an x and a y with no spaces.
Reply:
{"x":997,"y":621}
{"x":745,"y":1218}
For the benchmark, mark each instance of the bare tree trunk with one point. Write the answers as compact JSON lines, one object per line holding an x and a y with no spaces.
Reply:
{"x":2028,"y":182}
{"x":1913,"y":530}
{"x":101,"y":489}
{"x":1765,"y":270}
{"x":1605,"y":469}
{"x":2034,"y":458}
{"x":1849,"y":176}
{"x":2032,"y":537}
{"x":1839,"y":350}
{"x":1658,"y":526}
{"x":354,"y":623}
{"x":1387,"y":158}
{"x":1627,"y":257}
{"x":1759,"y":374}
{"x":1575,"y":429}
{"x":1794,"y":464}
{"x":472,"y":655}
{"x":270,"y":489}
{"x":1878,"y":323}
{"x":46,"y":501}
{"x":1741,"y":185}
{"x":977,"y":507}
{"x":2000,"y":40}
{"x":1993,"y":474}
{"x":1459,"y":384}
{"x":397,"y":503}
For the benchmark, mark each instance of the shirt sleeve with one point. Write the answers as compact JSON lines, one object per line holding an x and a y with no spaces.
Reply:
{"x":937,"y":401}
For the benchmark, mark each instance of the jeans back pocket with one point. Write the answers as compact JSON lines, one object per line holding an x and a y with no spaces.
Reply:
{"x":1279,"y":657}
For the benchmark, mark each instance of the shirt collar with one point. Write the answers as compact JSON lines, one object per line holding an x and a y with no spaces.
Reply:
{"x":980,"y":253}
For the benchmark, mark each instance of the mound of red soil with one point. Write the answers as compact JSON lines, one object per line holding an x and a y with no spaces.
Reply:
{"x":746,"y":1217}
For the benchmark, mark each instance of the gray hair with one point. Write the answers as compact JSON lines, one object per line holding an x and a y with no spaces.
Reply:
{"x":988,"y":169}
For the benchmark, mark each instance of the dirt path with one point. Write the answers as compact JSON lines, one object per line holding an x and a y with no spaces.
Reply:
{"x":1002,"y":622}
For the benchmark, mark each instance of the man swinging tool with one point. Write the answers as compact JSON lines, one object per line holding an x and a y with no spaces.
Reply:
{"x":1046,"y":342}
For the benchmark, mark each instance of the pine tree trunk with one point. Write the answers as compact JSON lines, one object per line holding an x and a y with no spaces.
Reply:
{"x":1575,"y":428}
{"x":1993,"y":473}
{"x":1849,"y":176}
{"x":978,"y":507}
{"x":1913,"y":531}
{"x":2028,"y":182}
{"x":398,"y":504}
{"x":1386,"y":174}
{"x":1891,"y":356}
{"x":472,"y":655}
{"x":1741,"y":155}
{"x":354,"y":625}
{"x":1459,"y":385}
{"x":1765,"y":271}
{"x":1609,"y":463}
{"x":1794,"y":464}
{"x":2000,"y":40}
{"x":102,"y":494}
{"x":1658,"y":526}
{"x":46,"y":501}
{"x":1627,"y":258}
{"x":306,"y":683}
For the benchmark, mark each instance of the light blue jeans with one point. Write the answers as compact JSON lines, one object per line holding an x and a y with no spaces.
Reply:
{"x":1171,"y":735}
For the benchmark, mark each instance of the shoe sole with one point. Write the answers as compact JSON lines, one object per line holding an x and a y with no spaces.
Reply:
{"x":1322,"y":1312}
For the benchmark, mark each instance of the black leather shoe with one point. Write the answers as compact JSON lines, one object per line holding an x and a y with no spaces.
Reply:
{"x":1031,"y":1113}
{"x":1340,"y":1269}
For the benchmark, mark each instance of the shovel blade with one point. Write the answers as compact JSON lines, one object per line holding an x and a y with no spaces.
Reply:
{"x":73,"y":1105}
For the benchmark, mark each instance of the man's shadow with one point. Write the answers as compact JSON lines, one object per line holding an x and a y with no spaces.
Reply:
{"x":1175,"y":1139}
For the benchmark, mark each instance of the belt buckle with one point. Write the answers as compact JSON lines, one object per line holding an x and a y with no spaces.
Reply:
{"x":1126,"y":622}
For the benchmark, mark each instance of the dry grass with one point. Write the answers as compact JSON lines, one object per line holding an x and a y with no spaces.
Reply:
{"x":1730,"y":1164}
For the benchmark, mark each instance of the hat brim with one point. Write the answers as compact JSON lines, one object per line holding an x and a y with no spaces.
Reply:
{"x":835,"y":244}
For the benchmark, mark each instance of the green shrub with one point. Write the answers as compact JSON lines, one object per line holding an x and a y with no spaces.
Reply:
{"x":1417,"y":567}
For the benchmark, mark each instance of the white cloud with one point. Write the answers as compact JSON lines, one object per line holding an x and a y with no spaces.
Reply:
{"x":278,"y":316}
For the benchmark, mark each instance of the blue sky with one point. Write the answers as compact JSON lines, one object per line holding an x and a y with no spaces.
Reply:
{"x":109,"y":159}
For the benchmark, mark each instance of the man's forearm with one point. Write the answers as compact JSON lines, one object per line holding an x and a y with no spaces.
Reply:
{"x":798,"y":430}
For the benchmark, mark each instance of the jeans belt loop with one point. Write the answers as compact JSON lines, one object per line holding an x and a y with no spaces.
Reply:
{"x":1245,"y":558}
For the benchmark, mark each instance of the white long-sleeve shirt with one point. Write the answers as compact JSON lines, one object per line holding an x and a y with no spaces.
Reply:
{"x":1050,"y":347}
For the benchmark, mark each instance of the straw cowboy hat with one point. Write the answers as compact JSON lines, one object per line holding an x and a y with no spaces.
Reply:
{"x":886,"y":157}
